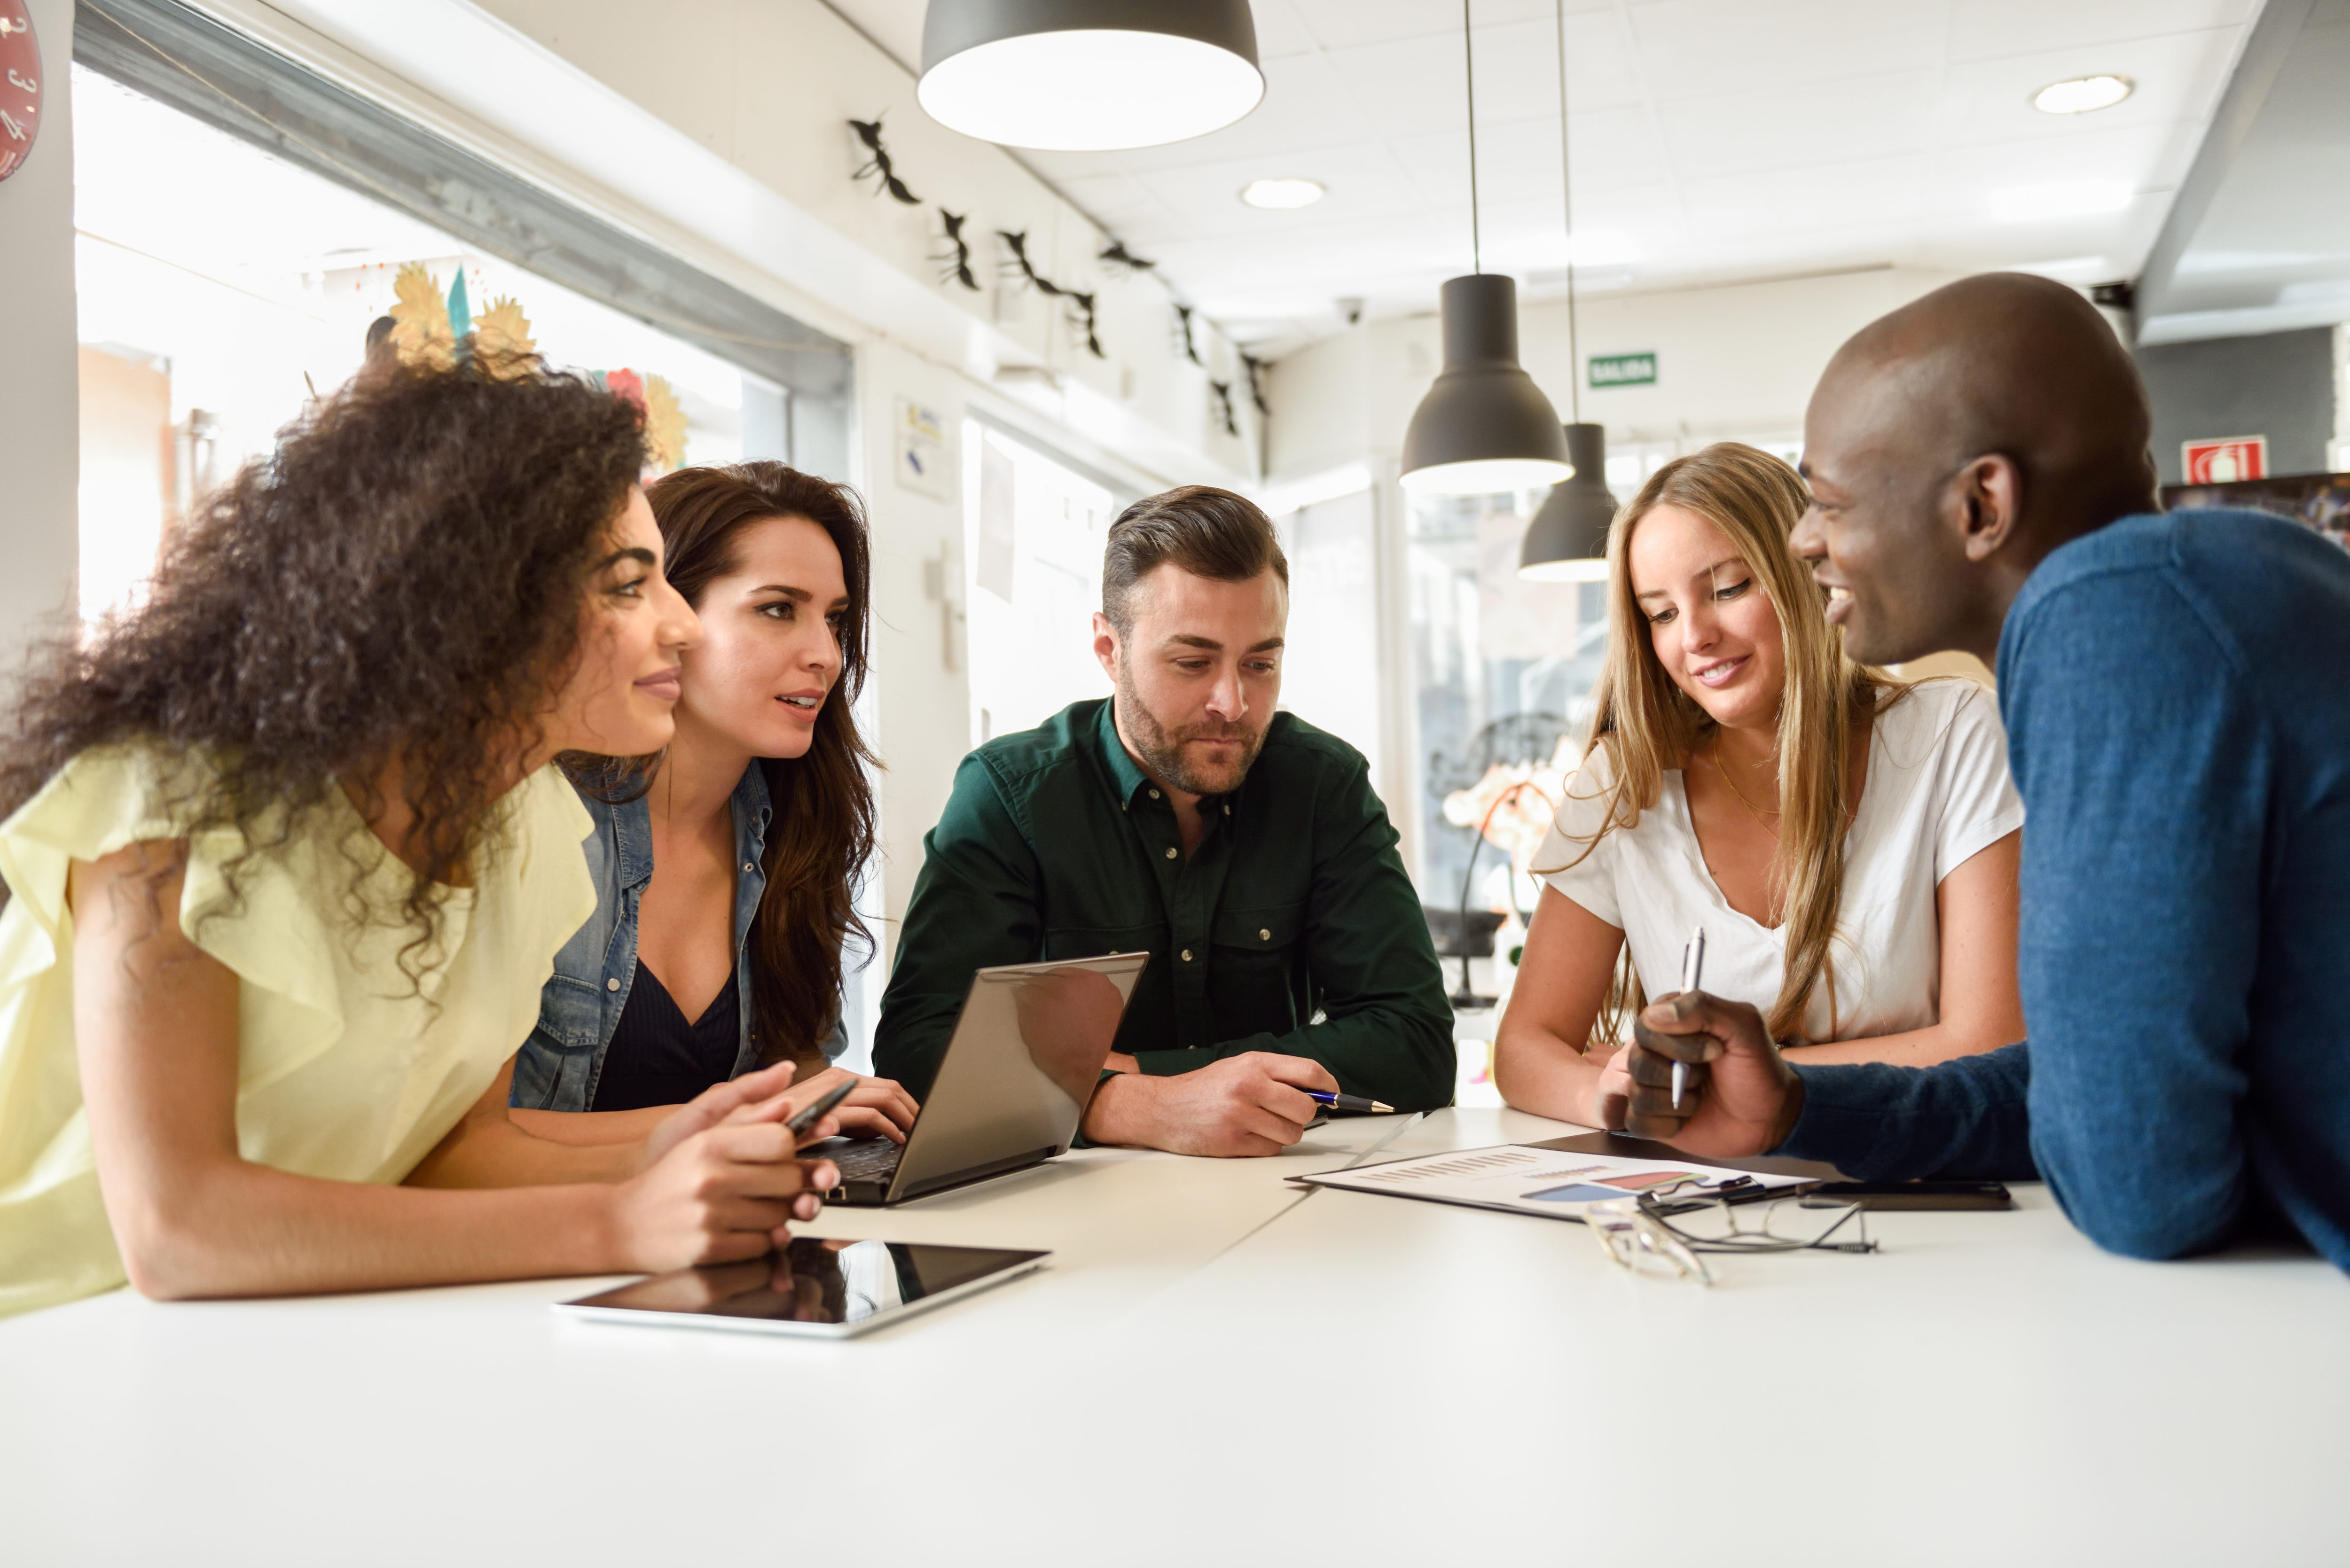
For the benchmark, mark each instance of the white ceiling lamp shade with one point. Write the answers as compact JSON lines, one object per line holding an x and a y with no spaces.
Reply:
{"x":1089,"y":76}
{"x":2082,"y":95}
{"x":1484,"y":426}
{"x":1281,"y":195}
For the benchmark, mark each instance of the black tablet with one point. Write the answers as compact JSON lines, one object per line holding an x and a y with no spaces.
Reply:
{"x":831,"y":1289}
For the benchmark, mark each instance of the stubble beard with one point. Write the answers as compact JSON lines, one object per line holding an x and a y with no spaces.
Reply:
{"x":1161,"y":748}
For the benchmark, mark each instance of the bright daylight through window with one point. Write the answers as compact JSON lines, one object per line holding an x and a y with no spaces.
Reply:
{"x":220,"y":289}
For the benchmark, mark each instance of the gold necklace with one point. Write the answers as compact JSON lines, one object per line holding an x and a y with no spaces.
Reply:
{"x":1740,"y":792}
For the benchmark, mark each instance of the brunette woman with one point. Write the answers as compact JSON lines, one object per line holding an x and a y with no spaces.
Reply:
{"x":725,"y":866}
{"x":286,"y":866}
{"x":1848,"y":842}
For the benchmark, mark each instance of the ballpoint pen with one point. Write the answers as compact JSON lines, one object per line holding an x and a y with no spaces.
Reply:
{"x":1346,"y":1101}
{"x":1692,"y":971}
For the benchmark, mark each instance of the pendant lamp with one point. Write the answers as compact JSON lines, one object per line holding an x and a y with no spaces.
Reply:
{"x":1566,"y":542}
{"x":1484,"y":426}
{"x":1089,"y":76}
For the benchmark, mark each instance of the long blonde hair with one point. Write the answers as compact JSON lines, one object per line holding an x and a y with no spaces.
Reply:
{"x":1649,"y":725}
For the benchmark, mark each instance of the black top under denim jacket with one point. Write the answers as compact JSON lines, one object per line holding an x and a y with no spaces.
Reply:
{"x":580,"y":1006}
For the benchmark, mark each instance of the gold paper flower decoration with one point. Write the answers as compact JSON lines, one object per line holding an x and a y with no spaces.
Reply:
{"x":502,"y":339}
{"x":422,"y":334}
{"x":664,"y":424}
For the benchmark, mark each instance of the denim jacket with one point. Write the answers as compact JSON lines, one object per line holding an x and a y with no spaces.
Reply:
{"x":559,"y":1067}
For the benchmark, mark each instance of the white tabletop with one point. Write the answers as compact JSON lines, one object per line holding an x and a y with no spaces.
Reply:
{"x":1219,"y":1367}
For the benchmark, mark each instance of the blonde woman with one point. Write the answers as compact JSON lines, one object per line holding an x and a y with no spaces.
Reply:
{"x":1848,"y":842}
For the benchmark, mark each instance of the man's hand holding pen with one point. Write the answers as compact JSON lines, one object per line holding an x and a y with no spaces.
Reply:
{"x":1740,"y":1097}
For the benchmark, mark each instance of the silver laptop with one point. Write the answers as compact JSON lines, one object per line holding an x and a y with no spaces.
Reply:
{"x":1019,"y":1068}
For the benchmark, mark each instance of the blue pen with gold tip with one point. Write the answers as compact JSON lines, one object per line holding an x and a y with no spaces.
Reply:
{"x":1692,"y":971}
{"x":1346,"y":1102}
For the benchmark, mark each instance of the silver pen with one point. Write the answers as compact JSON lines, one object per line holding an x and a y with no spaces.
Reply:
{"x":1692,"y":971}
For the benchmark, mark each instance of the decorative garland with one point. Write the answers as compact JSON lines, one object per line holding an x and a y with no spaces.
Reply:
{"x":1021,"y":266}
{"x":955,"y":261}
{"x":868,"y":132}
{"x":957,"y":258}
{"x":1124,"y":260}
{"x":1256,"y":368}
{"x":1222,"y":392}
{"x":1190,"y":349}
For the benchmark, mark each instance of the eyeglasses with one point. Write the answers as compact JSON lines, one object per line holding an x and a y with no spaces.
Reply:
{"x":1668,"y":1231}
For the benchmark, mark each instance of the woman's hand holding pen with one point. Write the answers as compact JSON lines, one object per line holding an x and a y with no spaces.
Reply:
{"x":1741,"y":1098}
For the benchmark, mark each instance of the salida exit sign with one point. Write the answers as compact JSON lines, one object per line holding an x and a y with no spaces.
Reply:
{"x":1624,"y":369}
{"x":2224,"y":460}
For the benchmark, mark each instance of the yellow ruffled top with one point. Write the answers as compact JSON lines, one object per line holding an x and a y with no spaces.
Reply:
{"x":347,"y":1070}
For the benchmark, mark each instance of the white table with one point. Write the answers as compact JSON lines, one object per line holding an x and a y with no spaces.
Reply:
{"x":1218,"y":1369}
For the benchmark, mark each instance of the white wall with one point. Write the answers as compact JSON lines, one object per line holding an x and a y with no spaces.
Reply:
{"x":38,"y":374}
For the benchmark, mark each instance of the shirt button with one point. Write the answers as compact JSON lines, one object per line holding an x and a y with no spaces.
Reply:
{"x":748,"y":866}
{"x":1264,"y":936}
{"x":1228,"y":810}
{"x":1154,"y":794}
{"x":1187,"y":955}
{"x":611,"y":986}
{"x":1170,"y":854}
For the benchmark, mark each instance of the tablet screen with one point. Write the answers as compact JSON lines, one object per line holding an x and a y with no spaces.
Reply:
{"x":814,"y":1285}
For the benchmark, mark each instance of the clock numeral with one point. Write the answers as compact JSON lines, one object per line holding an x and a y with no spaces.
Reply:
{"x":15,"y":131}
{"x":26,"y":83}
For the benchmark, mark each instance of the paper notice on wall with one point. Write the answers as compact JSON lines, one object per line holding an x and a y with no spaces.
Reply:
{"x":920,"y":457}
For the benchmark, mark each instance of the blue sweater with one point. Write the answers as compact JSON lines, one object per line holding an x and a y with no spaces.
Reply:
{"x":2176,"y":692}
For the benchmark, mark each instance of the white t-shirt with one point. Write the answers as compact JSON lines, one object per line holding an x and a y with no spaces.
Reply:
{"x":1937,"y":793}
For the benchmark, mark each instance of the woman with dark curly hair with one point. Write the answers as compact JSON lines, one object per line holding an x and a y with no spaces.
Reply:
{"x":286,"y":866}
{"x":725,"y":867}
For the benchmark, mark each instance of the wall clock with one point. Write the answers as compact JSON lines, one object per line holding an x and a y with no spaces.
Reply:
{"x":20,"y":87}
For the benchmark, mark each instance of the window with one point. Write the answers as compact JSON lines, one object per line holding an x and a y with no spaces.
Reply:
{"x":214,"y":308}
{"x":1034,"y":535}
{"x":1504,"y":671}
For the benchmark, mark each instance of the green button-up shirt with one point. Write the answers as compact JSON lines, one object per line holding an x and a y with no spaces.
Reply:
{"x":1291,"y":928}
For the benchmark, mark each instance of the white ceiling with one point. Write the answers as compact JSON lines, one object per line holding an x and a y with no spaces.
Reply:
{"x":1713,"y":141}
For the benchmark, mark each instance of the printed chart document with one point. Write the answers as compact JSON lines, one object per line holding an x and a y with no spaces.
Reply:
{"x":1523,"y":1179}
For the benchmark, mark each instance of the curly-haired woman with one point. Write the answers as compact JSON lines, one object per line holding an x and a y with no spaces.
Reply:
{"x":1847,"y":842}
{"x":287,"y":864}
{"x":725,"y":867}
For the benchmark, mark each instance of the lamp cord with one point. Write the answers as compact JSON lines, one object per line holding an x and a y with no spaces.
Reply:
{"x":1468,"y":54}
{"x":1567,"y":192}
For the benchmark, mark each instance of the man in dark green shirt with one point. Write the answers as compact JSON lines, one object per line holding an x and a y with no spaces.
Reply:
{"x":1242,"y":848}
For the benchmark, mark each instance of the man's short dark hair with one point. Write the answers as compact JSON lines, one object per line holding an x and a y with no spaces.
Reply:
{"x":1209,"y":533}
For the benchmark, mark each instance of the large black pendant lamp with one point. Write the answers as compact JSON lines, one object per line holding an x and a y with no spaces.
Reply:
{"x":1484,"y":426}
{"x":1566,"y":541}
{"x":1089,"y":76}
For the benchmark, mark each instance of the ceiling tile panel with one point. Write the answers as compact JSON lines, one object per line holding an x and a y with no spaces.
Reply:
{"x":1343,"y":24}
{"x":1701,"y":48}
{"x":1862,"y":117}
{"x":1987,"y":29}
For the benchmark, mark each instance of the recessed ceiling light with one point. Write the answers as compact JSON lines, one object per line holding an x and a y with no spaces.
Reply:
{"x":1281,"y":194}
{"x":2082,"y":94}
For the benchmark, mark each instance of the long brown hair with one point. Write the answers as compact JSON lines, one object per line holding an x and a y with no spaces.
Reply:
{"x":400,"y":581}
{"x":821,"y":833}
{"x":1650,"y":726}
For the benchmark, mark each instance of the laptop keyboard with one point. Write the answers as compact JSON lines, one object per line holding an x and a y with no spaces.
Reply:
{"x":866,"y":1160}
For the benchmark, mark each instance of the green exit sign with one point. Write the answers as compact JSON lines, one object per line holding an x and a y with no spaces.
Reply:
{"x":1623,"y":369}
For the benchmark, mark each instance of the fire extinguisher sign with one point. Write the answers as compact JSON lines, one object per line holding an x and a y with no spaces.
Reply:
{"x":2225,"y":460}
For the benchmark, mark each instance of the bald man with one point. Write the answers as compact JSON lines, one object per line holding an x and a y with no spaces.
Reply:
{"x":2177,"y":693}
